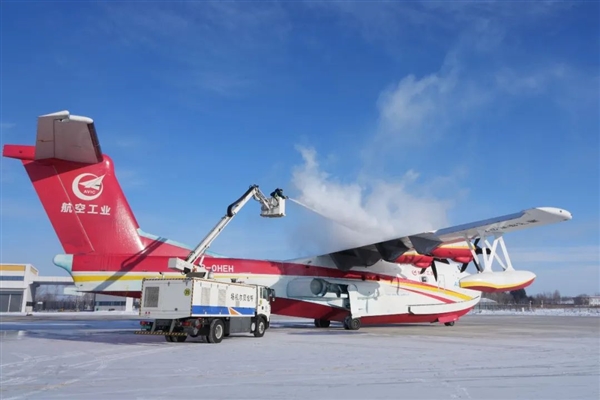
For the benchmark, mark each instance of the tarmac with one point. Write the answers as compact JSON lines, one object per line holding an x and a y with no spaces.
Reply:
{"x":482,"y":356}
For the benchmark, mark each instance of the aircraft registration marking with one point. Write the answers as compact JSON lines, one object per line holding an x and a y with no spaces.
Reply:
{"x":223,"y":268}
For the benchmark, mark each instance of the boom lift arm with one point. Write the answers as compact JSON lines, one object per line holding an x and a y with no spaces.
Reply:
{"x":273,"y":207}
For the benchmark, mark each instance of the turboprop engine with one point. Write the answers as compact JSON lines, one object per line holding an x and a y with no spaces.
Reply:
{"x":320,"y":287}
{"x":425,"y":257}
{"x":504,"y":281}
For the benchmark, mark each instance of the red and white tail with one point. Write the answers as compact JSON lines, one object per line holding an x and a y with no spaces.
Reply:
{"x":78,"y":188}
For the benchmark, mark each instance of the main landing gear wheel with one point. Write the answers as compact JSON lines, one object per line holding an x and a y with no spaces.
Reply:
{"x":216,"y":332}
{"x":352,"y":324}
{"x":449,"y":323}
{"x":322,"y":323}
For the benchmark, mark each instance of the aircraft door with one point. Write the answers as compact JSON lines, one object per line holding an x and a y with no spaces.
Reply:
{"x":357,"y":305}
{"x":441,"y":283}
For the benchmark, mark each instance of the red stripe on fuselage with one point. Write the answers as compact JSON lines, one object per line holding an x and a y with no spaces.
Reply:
{"x":447,"y":301}
{"x":410,"y":318}
{"x":143,"y":263}
{"x":234,"y":266}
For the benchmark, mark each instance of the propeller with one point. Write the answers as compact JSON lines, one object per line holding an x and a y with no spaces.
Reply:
{"x":478,"y":250}
{"x":433,"y":267}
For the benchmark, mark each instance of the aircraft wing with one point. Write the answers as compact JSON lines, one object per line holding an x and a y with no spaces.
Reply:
{"x":426,"y":242}
{"x":67,"y":137}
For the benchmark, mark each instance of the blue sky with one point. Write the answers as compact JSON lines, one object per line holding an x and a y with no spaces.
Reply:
{"x":410,"y":116}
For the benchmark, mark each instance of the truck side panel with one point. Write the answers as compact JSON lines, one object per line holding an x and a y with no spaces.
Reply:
{"x":166,"y":298}
{"x":212,"y":298}
{"x":240,"y":325}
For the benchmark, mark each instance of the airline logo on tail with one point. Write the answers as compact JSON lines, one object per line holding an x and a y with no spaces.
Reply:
{"x":88,"y":186}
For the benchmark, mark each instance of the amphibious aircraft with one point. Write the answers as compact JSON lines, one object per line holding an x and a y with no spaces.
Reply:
{"x":415,"y":278}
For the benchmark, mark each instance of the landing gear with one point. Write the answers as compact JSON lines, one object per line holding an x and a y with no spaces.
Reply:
{"x":352,"y":324}
{"x":322,"y":323}
{"x":449,"y":323}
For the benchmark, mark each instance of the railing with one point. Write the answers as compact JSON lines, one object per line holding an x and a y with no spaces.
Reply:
{"x":64,"y":306}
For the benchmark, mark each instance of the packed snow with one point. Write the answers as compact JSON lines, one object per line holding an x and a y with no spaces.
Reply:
{"x":574,"y":312}
{"x":481,"y":357}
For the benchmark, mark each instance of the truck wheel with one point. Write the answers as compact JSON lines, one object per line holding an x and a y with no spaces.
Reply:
{"x":168,"y":338}
{"x":261,"y":327}
{"x":217,"y":331}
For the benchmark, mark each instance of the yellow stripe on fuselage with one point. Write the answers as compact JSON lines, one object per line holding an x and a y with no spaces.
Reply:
{"x":435,"y":289}
{"x":121,"y":276}
{"x":115,"y":277}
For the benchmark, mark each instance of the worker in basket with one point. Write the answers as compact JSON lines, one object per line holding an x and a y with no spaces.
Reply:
{"x":278,"y":193}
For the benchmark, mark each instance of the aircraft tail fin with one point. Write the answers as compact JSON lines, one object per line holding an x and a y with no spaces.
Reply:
{"x":77,"y":187}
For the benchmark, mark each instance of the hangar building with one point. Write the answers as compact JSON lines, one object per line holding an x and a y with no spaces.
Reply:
{"x":19,"y":283}
{"x":15,"y":286}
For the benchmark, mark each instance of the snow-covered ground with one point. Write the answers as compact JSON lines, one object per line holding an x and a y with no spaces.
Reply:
{"x":481,"y":357}
{"x":73,"y":313}
{"x":580,"y":312}
{"x":574,"y":312}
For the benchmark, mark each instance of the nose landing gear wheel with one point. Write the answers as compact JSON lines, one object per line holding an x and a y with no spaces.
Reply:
{"x":352,"y":324}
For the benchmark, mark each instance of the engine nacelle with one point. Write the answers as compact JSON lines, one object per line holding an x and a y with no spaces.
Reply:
{"x":491,"y":282}
{"x":456,"y":254}
{"x":320,"y":287}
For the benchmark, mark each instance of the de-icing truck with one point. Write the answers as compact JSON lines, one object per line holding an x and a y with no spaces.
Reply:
{"x":192,"y":306}
{"x":197,"y":305}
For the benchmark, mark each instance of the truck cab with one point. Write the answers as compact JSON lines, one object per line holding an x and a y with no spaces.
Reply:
{"x":266,"y":295}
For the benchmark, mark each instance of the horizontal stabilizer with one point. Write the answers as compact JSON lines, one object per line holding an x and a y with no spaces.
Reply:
{"x":67,"y":137}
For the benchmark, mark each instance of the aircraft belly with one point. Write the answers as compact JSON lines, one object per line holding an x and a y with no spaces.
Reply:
{"x":387,"y":305}
{"x":426,"y":309}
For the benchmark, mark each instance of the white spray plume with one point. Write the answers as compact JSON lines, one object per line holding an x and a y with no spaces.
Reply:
{"x":374,"y":211}
{"x":378,"y":209}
